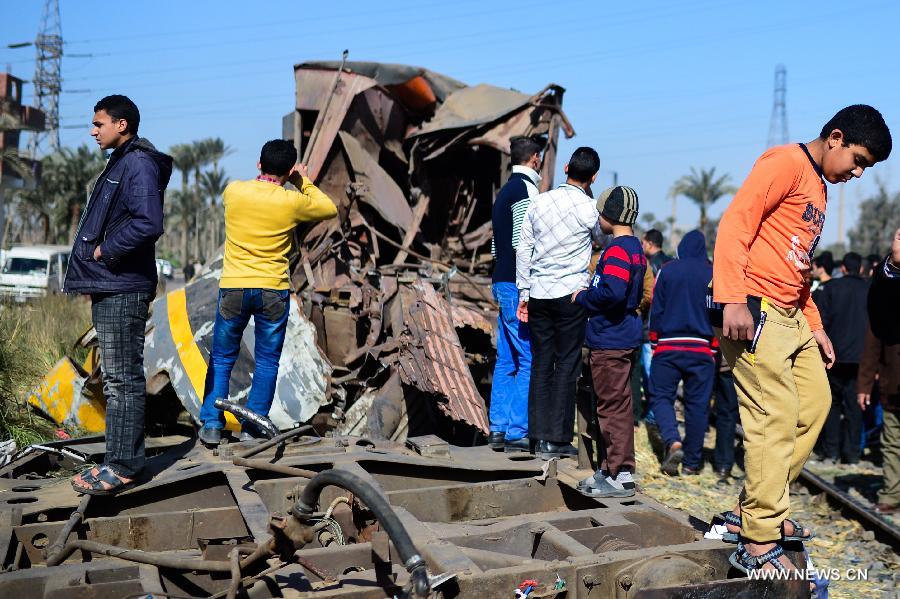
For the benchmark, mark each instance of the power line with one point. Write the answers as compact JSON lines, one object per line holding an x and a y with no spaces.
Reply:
{"x":778,"y":127}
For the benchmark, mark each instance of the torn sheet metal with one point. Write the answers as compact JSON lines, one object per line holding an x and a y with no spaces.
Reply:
{"x":65,"y":397}
{"x":432,"y":358}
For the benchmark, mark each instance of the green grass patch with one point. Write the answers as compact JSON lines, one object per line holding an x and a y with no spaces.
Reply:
{"x":33,"y":337}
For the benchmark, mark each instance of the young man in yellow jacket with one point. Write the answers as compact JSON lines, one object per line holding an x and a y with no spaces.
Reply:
{"x":260,"y":216}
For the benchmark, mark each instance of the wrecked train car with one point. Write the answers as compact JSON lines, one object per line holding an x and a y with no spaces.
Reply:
{"x":391,"y":323}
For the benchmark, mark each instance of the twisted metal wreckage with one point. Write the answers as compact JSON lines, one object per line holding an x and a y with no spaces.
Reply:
{"x":390,"y":328}
{"x":388,"y":350}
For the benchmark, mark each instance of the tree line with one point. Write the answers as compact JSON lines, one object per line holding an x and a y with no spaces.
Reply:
{"x":50,"y":212}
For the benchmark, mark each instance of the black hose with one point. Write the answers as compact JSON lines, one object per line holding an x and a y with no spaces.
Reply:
{"x":265,"y":426}
{"x":76,"y":517}
{"x":305,"y":507}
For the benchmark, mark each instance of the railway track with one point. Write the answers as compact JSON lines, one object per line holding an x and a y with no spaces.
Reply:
{"x":884,"y":530}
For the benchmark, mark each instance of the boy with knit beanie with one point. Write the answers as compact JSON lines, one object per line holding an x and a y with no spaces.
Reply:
{"x":613,"y":336}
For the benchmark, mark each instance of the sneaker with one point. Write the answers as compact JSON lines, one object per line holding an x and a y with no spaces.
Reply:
{"x":592,"y":481}
{"x":547,"y":450}
{"x":606,"y":488}
{"x":670,"y":463}
{"x":209,"y":435}
{"x":496,"y":440}
{"x":688,"y":471}
{"x":522,"y":445}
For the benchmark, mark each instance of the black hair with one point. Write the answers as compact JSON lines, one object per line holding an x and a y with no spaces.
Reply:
{"x":864,"y":126}
{"x":825,"y":260}
{"x":584,"y":164}
{"x":277,"y":157}
{"x":121,"y":107}
{"x":852,"y":263}
{"x":522,"y":148}
{"x":655,"y":237}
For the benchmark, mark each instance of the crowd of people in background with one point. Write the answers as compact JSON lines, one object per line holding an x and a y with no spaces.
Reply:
{"x":741,"y":331}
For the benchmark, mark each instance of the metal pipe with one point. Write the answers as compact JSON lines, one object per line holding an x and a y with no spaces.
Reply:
{"x":277,"y":468}
{"x":161,"y":560}
{"x":76,"y":517}
{"x":274,"y":441}
{"x":265,"y":426}
{"x":235,"y":564}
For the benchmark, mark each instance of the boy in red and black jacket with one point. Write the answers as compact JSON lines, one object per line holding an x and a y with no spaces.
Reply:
{"x":613,"y":336}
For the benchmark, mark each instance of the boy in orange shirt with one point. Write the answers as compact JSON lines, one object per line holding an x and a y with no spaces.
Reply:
{"x":771,"y":333}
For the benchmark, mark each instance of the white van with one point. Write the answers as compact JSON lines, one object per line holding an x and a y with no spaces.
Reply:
{"x":31,"y":271}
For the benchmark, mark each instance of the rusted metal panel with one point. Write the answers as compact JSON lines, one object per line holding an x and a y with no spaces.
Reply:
{"x":482,"y":522}
{"x":432,"y":357}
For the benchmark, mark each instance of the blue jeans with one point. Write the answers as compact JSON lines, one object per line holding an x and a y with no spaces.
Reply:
{"x":512,"y":372}
{"x":646,"y":360}
{"x":269,"y":309}
{"x":698,"y":372}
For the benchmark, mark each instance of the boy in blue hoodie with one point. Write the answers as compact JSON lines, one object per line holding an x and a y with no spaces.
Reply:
{"x":681,"y":334}
{"x":613,"y":336}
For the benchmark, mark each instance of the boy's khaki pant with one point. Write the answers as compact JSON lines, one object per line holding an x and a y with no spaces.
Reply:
{"x":783,"y":398}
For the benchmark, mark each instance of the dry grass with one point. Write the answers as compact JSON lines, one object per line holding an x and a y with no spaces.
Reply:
{"x":33,"y":337}
{"x":840,"y":542}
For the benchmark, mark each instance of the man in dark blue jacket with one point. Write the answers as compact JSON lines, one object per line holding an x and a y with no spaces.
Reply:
{"x":114,"y":261}
{"x":680,"y":328}
{"x":512,"y":371}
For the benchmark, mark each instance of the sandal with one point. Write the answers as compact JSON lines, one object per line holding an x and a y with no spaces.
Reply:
{"x":743,"y":561}
{"x":797,"y":528}
{"x":95,"y":486}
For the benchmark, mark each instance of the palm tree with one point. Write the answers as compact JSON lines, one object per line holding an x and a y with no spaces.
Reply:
{"x":703,"y":188}
{"x":212,"y":184}
{"x":215,"y":148}
{"x":184,"y":159}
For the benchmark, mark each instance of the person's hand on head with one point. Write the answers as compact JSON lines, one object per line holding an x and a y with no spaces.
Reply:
{"x":297,"y":174}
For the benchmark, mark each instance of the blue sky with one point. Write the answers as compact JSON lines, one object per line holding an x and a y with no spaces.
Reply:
{"x":656,"y":87}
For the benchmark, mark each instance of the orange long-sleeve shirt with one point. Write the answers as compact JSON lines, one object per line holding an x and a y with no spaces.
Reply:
{"x":768,"y":234}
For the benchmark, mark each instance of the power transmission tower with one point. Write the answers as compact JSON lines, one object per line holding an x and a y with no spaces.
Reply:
{"x":778,"y":127}
{"x":47,"y":81}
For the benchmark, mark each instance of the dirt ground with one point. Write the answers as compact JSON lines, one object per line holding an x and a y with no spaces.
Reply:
{"x":840,"y":542}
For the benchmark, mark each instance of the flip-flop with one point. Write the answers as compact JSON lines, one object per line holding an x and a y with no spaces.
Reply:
{"x":105,"y":474}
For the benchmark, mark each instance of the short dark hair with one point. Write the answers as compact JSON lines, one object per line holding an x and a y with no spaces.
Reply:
{"x":121,"y":107}
{"x":522,"y":148}
{"x":852,"y":262}
{"x":864,"y":126}
{"x":278,"y":157}
{"x":584,"y":164}
{"x":825,"y":260}
{"x":655,"y":237}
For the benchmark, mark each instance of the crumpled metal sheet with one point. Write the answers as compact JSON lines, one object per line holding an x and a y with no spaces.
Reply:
{"x":64,"y":397}
{"x":179,"y":341}
{"x":432,"y":358}
{"x":379,"y":190}
{"x":472,"y":106}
